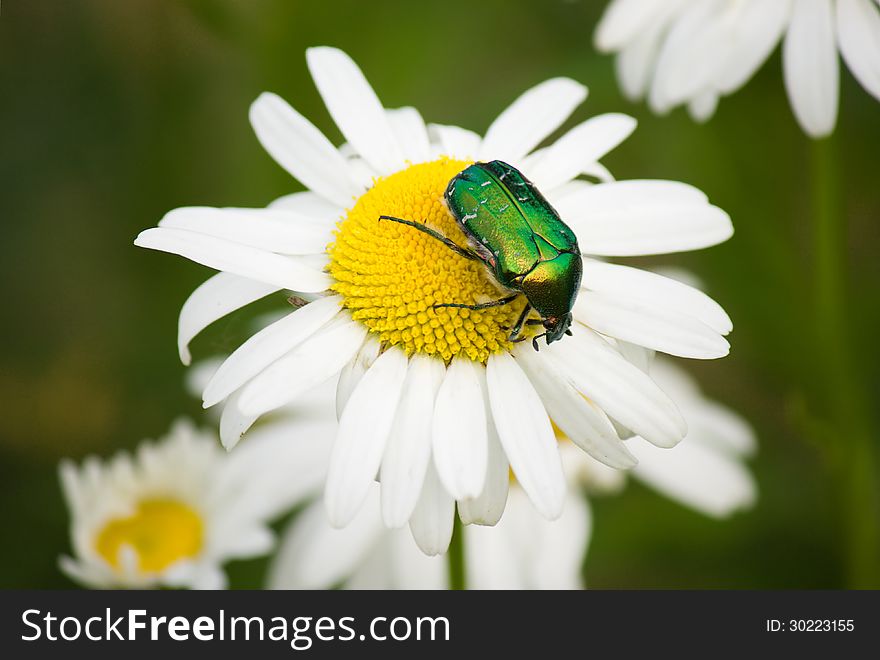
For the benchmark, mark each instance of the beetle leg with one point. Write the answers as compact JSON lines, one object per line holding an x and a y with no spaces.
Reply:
{"x":535,"y":340}
{"x":479,"y":306}
{"x":452,"y":245}
{"x":519,"y":323}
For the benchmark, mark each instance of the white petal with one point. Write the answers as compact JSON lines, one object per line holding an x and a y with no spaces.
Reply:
{"x":562,"y":546}
{"x":636,"y":62}
{"x":353,"y":371}
{"x":355,"y":108}
{"x":858,"y":30}
{"x":85,"y":574}
{"x":233,"y":422}
{"x":619,"y":388}
{"x":363,"y":433}
{"x":454,"y":141}
{"x":640,"y":356}
{"x":71,"y":487}
{"x":283,"y":232}
{"x":581,"y":421}
{"x":630,"y":218}
{"x":580,"y":147}
{"x":697,"y":476}
{"x":488,"y":507}
{"x":282,"y":271}
{"x":599,"y":172}
{"x":645,"y":286}
{"x":702,"y":106}
{"x":753,"y":32}
{"x":525,"y":433}
{"x":218,"y":296}
{"x":412,"y":136}
{"x":310,"y":363}
{"x":301,"y":149}
{"x":315,"y":555}
{"x":691,"y":55}
{"x":720,"y":427}
{"x":311,"y":205}
{"x":809,"y":59}
{"x":649,"y":324}
{"x":374,"y":571}
{"x":268,"y":345}
{"x":459,"y":433}
{"x":290,"y":453}
{"x":562,"y":194}
{"x":411,"y":569}
{"x":708,"y":421}
{"x":431,"y":522}
{"x":625,"y":20}
{"x":492,"y":560}
{"x":531,"y":118}
{"x":408,"y":451}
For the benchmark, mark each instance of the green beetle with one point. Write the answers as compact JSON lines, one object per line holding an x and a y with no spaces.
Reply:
{"x":515,"y":232}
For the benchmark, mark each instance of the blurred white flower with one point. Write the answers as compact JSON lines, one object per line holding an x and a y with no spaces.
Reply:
{"x":173,"y":512}
{"x":524,"y":550}
{"x":695,"y":51}
{"x":438,"y":402}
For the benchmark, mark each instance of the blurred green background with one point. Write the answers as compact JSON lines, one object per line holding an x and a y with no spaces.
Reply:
{"x":113,"y":112}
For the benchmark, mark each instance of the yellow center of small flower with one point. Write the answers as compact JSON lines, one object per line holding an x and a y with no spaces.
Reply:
{"x":390,"y":275}
{"x":161,"y":532}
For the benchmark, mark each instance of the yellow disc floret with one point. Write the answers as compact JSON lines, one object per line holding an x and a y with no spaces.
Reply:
{"x":390,"y":276}
{"x":160,"y":532}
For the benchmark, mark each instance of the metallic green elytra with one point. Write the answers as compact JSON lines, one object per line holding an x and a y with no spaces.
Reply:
{"x":521,"y":239}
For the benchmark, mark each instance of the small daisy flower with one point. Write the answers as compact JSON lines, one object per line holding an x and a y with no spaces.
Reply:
{"x":695,"y":51}
{"x":175,"y":511}
{"x":435,"y":400}
{"x":705,"y":472}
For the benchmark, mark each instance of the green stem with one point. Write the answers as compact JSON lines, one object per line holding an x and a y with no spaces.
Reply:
{"x":851,"y":452}
{"x":455,"y":555}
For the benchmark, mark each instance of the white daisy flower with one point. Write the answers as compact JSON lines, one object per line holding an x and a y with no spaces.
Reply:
{"x":174,"y":512}
{"x":695,"y":51}
{"x":524,"y":550}
{"x":438,"y":403}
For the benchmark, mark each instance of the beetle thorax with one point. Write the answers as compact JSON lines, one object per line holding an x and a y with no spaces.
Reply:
{"x":390,"y":275}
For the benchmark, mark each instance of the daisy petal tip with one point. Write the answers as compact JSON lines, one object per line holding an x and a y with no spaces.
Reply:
{"x":229,"y":443}
{"x":625,"y":462}
{"x":340,"y":511}
{"x":577,"y":89}
{"x":261,"y":103}
{"x":314,"y":53}
{"x":143,"y":238}
{"x":552,"y":508}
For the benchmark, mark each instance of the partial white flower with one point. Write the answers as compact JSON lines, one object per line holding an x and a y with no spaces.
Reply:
{"x":705,"y":472}
{"x":695,"y":51}
{"x":437,"y":403}
{"x":172,"y":513}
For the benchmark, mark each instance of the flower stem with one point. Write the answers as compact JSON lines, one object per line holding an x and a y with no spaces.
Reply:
{"x":851,"y":453}
{"x":455,"y":555}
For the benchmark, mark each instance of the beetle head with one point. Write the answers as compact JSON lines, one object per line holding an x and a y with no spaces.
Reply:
{"x":551,"y":287}
{"x":556,"y":327}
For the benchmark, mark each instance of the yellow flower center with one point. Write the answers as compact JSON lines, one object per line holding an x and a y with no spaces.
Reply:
{"x":160,"y":532}
{"x":390,"y":275}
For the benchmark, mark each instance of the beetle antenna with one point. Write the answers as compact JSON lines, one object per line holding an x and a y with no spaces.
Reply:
{"x":536,"y":338}
{"x":452,"y":245}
